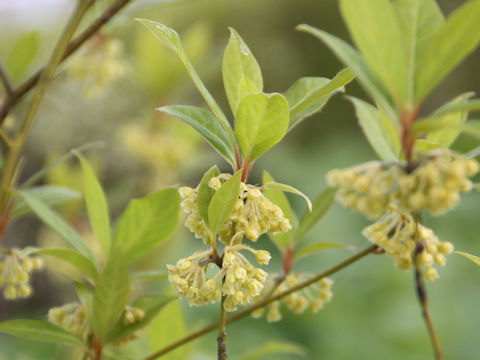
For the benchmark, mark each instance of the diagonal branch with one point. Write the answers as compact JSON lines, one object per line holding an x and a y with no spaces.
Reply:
{"x":262,"y":303}
{"x":28,"y":84}
{"x":6,"y":81}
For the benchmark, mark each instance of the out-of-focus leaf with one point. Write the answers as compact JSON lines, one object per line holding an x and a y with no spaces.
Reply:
{"x":147,"y":222}
{"x":111,"y":294}
{"x":282,"y":240}
{"x":352,"y":58}
{"x":21,"y":55}
{"x":455,"y":107}
{"x":239,"y":64}
{"x":57,"y":224}
{"x":151,"y":305}
{"x":85,"y":295}
{"x":473,"y":153}
{"x":374,"y":129}
{"x":207,"y":125}
{"x":262,"y":121}
{"x":205,"y":193}
{"x":458,"y":37}
{"x":290,"y":189}
{"x":322,"y":203}
{"x":223,"y":202}
{"x":424,"y":146}
{"x":43,"y":331}
{"x":316,"y":247}
{"x":97,"y":206}
{"x":170,"y":38}
{"x":47,"y":194}
{"x":149,"y":275}
{"x":274,"y":347}
{"x":470,"y":257}
{"x":375,"y":30}
{"x":308,"y":95}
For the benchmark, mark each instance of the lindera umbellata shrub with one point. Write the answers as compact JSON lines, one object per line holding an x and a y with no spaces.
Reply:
{"x":403,"y":50}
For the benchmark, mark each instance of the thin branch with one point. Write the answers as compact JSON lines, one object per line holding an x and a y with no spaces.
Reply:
{"x":222,"y":332}
{"x":6,"y":81}
{"x":262,"y":303}
{"x":28,"y":84}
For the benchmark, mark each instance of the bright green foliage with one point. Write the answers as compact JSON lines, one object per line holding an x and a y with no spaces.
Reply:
{"x":241,"y":72}
{"x":111,"y":294}
{"x":147,"y":222}
{"x":85,"y":295}
{"x":316,"y":247}
{"x":96,"y":205}
{"x":470,"y":257}
{"x":290,"y":189}
{"x":261,"y":122}
{"x":223,"y":202}
{"x":40,"y":331}
{"x":21,"y":55}
{"x":205,"y":192}
{"x":274,"y":347}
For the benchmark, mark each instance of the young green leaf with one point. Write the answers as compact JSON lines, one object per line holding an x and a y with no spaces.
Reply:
{"x":57,"y":224}
{"x":322,"y":203}
{"x":97,"y":206}
{"x":308,"y":95}
{"x":457,"y":38}
{"x":274,"y":347}
{"x":454,"y":107}
{"x":207,"y":125}
{"x":147,"y":222}
{"x":262,"y":121}
{"x":170,"y":38}
{"x":43,"y":331}
{"x":111,"y":294}
{"x":375,"y":30}
{"x":290,"y":189}
{"x":447,"y":136}
{"x":282,"y":240}
{"x":316,"y":247}
{"x":223,"y":202}
{"x":47,"y":194}
{"x":83,"y":264}
{"x":470,"y":257}
{"x":205,"y":192}
{"x":151,"y":305}
{"x":85,"y":295}
{"x":374,"y":129}
{"x":240,"y":64}
{"x":352,"y":58}
{"x":21,"y":55}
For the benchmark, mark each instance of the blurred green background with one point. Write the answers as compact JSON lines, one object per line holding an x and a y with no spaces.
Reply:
{"x":110,"y":96}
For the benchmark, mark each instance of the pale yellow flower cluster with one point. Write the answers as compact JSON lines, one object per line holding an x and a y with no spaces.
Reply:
{"x":434,"y":184}
{"x":241,"y":280}
{"x":252,"y":216}
{"x":314,"y":297}
{"x":397,"y":233}
{"x":15,"y":270}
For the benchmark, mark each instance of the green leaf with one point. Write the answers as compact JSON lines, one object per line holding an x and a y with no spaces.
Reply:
{"x":147,"y":222}
{"x":205,"y":193}
{"x":111,"y":294}
{"x":57,"y":224}
{"x":47,"y":194}
{"x":21,"y":55}
{"x":454,"y":107}
{"x":290,"y":189}
{"x":352,"y":58}
{"x":418,"y":20}
{"x":274,"y":347}
{"x":149,"y":275}
{"x":282,"y":240}
{"x":97,"y":206}
{"x":170,"y":38}
{"x":207,"y":125}
{"x":85,"y":295}
{"x":83,"y":264}
{"x":470,"y":257}
{"x":223,"y":202}
{"x":239,"y":65}
{"x":308,"y":95}
{"x":375,"y":30}
{"x":423,"y":146}
{"x":374,"y":129}
{"x":322,"y":203}
{"x":458,"y":37}
{"x":447,"y":136}
{"x":261,"y":122}
{"x":37,"y":330}
{"x":317,"y":247}
{"x":151,"y":305}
